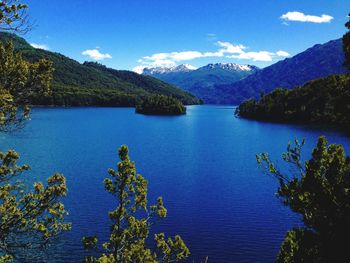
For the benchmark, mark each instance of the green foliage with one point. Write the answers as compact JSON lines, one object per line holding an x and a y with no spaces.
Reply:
{"x":20,"y":80}
{"x":13,"y":16}
{"x":346,"y":44}
{"x":28,"y":219}
{"x":160,"y":105}
{"x":318,"y":190}
{"x":85,"y":81}
{"x":325,"y":100}
{"x":132,"y":220}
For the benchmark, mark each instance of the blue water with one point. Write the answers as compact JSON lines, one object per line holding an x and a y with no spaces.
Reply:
{"x":203,"y":164}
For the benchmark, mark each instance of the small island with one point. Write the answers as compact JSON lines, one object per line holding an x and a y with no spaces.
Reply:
{"x":160,"y":105}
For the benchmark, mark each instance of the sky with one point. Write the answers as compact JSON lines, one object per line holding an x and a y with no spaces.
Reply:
{"x":133,"y":34}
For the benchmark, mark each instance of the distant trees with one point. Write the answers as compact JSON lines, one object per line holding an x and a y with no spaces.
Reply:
{"x":92,"y":84}
{"x":132,"y":220}
{"x":326,"y":100}
{"x":160,"y":105}
{"x":323,"y":101}
{"x":346,"y":44}
{"x":318,"y":190}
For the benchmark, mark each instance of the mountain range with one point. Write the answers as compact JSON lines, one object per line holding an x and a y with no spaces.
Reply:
{"x":319,"y":61}
{"x":202,"y":81}
{"x":232,"y":83}
{"x":92,"y":84}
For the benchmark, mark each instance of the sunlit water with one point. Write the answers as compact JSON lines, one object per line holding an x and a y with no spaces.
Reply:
{"x":203,"y":164}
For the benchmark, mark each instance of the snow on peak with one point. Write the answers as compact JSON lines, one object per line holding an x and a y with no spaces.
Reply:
{"x":189,"y":68}
{"x":231,"y":66}
{"x":164,"y":70}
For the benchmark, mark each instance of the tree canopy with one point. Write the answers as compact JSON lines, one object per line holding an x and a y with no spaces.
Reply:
{"x":13,"y":16}
{"x":160,"y":105}
{"x":132,"y":219}
{"x":20,"y":80}
{"x":325,"y":101}
{"x":28,"y":219}
{"x":90,"y":83}
{"x":318,"y":190}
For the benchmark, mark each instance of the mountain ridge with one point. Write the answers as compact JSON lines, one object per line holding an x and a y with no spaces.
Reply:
{"x":201,"y":81}
{"x":318,"y":61}
{"x":92,"y":84}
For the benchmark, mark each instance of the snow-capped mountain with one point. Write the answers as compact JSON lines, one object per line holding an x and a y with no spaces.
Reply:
{"x":230,"y":66}
{"x":189,"y":68}
{"x":166,"y":70}
{"x":202,"y":82}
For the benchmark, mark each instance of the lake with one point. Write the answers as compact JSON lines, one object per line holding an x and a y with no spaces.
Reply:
{"x":203,"y":164}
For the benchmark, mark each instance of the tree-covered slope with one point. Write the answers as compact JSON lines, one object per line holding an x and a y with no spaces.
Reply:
{"x":325,"y":100}
{"x":160,"y":105}
{"x":316,"y":62}
{"x":94,"y":84}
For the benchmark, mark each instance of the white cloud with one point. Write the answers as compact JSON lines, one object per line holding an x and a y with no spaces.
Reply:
{"x":301,"y":17}
{"x":40,"y":46}
{"x":282,"y":53}
{"x":225,"y":49}
{"x":139,"y":69}
{"x":95,"y":54}
{"x":255,"y":56}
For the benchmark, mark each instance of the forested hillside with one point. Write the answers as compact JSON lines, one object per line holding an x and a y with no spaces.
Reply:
{"x":325,"y":100}
{"x":89,"y":84}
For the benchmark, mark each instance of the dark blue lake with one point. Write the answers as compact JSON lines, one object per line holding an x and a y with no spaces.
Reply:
{"x":203,"y":164}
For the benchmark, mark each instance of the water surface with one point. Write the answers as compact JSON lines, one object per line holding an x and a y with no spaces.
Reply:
{"x":203,"y":164}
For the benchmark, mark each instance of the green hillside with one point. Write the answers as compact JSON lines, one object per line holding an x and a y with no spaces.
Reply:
{"x":324,"y":101}
{"x":92,"y":84}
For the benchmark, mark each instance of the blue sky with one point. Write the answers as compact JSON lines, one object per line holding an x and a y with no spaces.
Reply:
{"x":126,"y":34}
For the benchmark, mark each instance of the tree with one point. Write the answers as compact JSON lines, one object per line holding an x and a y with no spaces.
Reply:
{"x":132,"y":220}
{"x":28,"y":219}
{"x":13,"y":16}
{"x":318,"y":190}
{"x":346,"y":44}
{"x":19,"y":81}
{"x":160,"y":105}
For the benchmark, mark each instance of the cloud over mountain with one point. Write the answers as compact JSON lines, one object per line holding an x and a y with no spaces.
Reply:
{"x":225,"y":49}
{"x":95,"y":54}
{"x":40,"y":46}
{"x":301,"y":17}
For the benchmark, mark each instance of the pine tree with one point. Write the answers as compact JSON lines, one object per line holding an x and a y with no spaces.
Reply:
{"x":19,"y":81}
{"x":131,"y":221}
{"x":29,"y":219}
{"x":318,"y":190}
